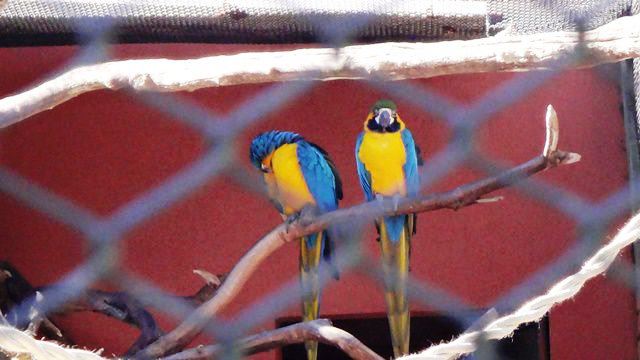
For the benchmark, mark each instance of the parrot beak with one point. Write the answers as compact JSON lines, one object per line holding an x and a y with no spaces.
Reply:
{"x":384,"y":118}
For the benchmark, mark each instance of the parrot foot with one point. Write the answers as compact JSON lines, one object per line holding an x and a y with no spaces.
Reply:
{"x":290,"y":220}
{"x":304,"y":217}
{"x":396,"y":202}
{"x":308,"y":214}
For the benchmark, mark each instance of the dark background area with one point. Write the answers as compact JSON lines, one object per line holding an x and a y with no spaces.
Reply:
{"x":529,"y":342}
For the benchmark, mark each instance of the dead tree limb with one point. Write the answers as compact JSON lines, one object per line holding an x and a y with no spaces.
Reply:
{"x":212,"y":283}
{"x":613,"y":42}
{"x":455,"y":199}
{"x":320,"y":330}
{"x":15,"y":288}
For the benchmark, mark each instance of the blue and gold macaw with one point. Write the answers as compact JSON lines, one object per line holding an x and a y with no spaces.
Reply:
{"x":300,"y":176}
{"x":387,"y":160}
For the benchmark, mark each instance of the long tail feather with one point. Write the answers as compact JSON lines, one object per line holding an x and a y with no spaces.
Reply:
{"x":395,"y":244}
{"x":310,"y":255}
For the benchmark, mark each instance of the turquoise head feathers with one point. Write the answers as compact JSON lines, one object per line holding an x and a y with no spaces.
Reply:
{"x":266,"y":142}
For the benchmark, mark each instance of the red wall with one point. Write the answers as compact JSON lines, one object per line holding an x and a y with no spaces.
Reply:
{"x":104,"y":148}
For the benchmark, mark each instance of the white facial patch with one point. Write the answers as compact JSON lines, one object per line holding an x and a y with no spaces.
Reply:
{"x":392,"y":115}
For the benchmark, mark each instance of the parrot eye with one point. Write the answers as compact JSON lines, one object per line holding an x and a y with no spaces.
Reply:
{"x":264,"y":168}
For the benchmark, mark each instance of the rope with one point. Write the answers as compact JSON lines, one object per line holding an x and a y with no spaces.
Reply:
{"x":14,"y":341}
{"x":535,"y":309}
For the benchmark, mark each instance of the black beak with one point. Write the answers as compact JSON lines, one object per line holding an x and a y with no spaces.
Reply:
{"x":384,"y":119}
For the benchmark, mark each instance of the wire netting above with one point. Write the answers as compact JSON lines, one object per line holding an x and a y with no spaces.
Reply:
{"x":255,"y":21}
{"x":527,"y":16}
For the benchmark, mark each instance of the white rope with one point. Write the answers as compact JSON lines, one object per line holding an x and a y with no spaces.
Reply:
{"x":533,"y":310}
{"x":14,"y":341}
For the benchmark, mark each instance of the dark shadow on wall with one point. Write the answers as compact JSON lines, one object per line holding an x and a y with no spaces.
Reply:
{"x":529,"y":342}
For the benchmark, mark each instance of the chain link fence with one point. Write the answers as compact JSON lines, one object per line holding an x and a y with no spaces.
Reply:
{"x":103,"y":234}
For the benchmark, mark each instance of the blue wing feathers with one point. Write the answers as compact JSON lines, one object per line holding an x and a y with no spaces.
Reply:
{"x":411,"y":164}
{"x":334,"y":171}
{"x":414,"y":159}
{"x":319,"y":175}
{"x":325,"y":185}
{"x":363,"y":174}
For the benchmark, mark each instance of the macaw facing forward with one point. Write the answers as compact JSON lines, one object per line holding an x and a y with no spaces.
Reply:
{"x":387,"y":160}
{"x":299,"y":175}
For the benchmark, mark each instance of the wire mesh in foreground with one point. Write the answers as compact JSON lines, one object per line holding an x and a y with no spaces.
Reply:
{"x":103,"y":233}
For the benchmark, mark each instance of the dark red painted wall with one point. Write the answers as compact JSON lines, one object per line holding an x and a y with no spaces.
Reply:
{"x":104,"y":148}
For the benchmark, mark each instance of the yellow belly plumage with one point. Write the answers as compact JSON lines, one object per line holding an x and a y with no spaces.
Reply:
{"x":383,"y":155}
{"x":286,"y":182}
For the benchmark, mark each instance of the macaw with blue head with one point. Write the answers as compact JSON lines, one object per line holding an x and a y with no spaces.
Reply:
{"x":299,"y":176}
{"x":387,"y":160}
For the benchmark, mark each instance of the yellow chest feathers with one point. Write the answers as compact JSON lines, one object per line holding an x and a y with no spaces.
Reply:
{"x":285,"y":181}
{"x":384,"y":156}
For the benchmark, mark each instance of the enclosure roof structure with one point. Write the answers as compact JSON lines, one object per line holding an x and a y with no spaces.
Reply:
{"x":57,"y":22}
{"x":38,"y":22}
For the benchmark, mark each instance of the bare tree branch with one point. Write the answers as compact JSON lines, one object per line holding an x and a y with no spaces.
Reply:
{"x":212,"y":283}
{"x":320,"y":330}
{"x":615,"y":41}
{"x":455,"y":199}
{"x":15,"y":288}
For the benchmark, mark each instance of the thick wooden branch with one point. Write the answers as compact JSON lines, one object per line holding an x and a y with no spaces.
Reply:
{"x":455,"y":199}
{"x":319,"y":330}
{"x":618,"y":40}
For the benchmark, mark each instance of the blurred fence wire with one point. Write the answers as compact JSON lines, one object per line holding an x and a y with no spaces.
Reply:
{"x":103,"y":233}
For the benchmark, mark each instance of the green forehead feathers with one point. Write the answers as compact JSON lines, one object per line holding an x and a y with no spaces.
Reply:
{"x":384,"y":103}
